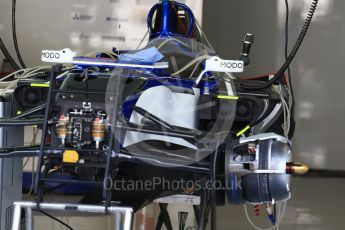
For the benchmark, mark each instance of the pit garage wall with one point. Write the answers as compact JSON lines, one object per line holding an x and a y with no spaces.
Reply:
{"x":82,"y":25}
{"x":318,"y":71}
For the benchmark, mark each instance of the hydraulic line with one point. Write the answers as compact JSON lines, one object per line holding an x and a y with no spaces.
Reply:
{"x":30,"y":112}
{"x":8,"y":56}
{"x":213,"y":189}
{"x":14,"y":33}
{"x":31,"y":151}
{"x":294,"y":51}
{"x":20,"y":122}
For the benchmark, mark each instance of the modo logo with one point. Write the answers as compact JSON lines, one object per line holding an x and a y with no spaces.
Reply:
{"x":231,"y":65}
{"x":51,"y":55}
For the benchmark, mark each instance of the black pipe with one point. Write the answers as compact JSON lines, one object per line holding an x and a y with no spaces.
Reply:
{"x":14,"y":34}
{"x":38,"y":190}
{"x":324,"y":173}
{"x":19,"y":152}
{"x":31,"y":111}
{"x":20,"y":122}
{"x":213,"y":189}
{"x":152,"y":117}
{"x":8,"y":56}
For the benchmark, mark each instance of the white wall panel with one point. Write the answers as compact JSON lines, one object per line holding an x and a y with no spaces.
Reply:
{"x":318,"y":74}
{"x":318,"y":70}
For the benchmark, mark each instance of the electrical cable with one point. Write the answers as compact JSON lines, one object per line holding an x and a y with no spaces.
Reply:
{"x":190,"y":64}
{"x":213,"y":192}
{"x":291,"y":100}
{"x":195,"y":69}
{"x":204,"y":35}
{"x":14,"y":33}
{"x":14,"y":74}
{"x":169,"y":39}
{"x":25,"y":73}
{"x":26,"y":162}
{"x":19,"y":153}
{"x":294,"y":50}
{"x":280,"y":218}
{"x":143,"y":39}
{"x":20,"y":122}
{"x":8,"y":56}
{"x":287,"y":15}
{"x":33,"y":142}
{"x":56,"y":219}
{"x":31,"y":111}
{"x":32,"y":178}
{"x":286,"y":112}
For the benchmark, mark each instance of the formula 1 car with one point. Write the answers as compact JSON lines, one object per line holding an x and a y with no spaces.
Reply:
{"x":125,"y":126}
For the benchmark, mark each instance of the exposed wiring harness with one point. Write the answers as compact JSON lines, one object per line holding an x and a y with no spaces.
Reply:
{"x":25,"y":73}
{"x":197,"y":61}
{"x":14,"y":34}
{"x":294,"y":50}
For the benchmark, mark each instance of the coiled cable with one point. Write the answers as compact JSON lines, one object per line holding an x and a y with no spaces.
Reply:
{"x":294,"y":51}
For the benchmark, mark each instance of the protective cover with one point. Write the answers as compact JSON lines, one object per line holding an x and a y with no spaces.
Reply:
{"x":173,"y":97}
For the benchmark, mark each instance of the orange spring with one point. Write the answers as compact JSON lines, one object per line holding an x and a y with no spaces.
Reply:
{"x":98,"y":129}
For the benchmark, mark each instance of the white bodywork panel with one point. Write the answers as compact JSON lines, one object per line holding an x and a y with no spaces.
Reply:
{"x":177,"y":109}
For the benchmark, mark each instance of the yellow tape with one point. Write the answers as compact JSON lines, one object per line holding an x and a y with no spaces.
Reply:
{"x":43,"y":85}
{"x":243,"y":131}
{"x":227,"y":97}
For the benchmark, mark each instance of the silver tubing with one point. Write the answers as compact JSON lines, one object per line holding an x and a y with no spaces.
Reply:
{"x":16,"y":217}
{"x":118,"y":221}
{"x":29,"y":219}
{"x":128,"y":220}
{"x":126,"y":211}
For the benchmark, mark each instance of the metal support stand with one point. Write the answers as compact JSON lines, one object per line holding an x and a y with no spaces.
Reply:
{"x":29,"y":206}
{"x":29,"y":220}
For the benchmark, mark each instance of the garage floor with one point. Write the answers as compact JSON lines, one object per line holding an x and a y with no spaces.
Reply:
{"x":316,"y":204}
